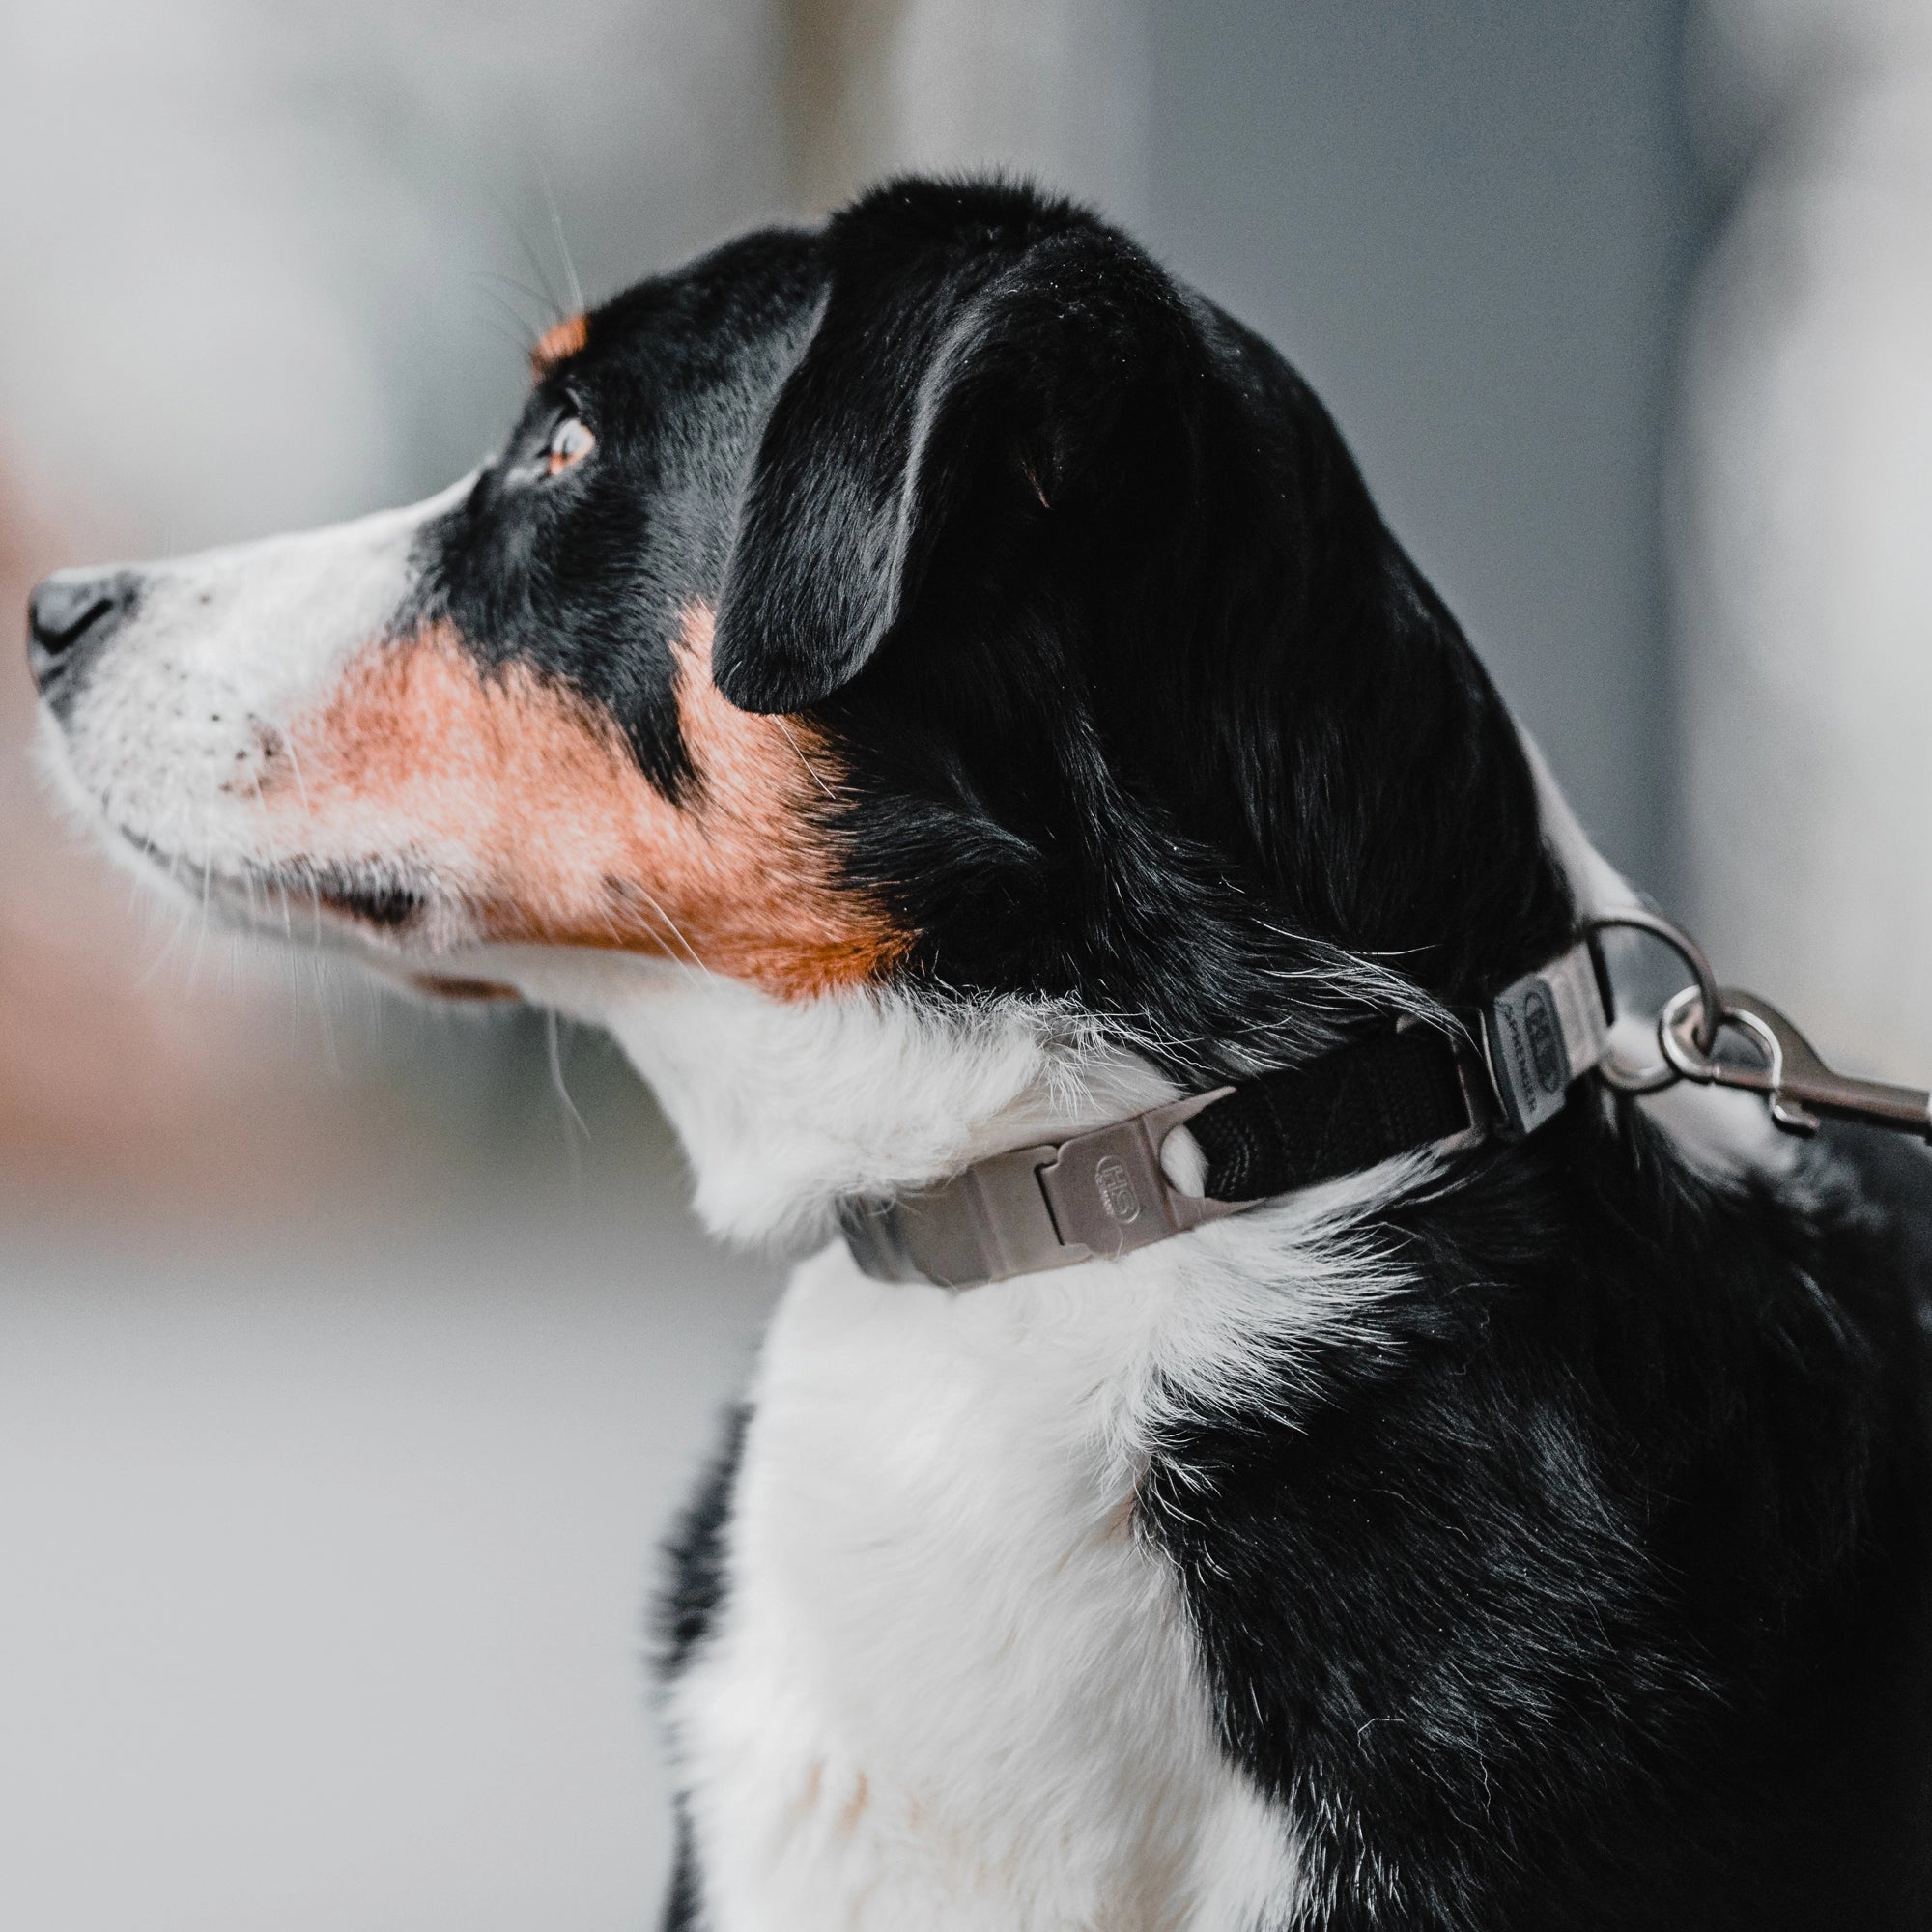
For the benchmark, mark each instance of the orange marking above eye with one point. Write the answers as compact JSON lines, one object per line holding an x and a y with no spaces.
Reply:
{"x":527,"y":806}
{"x":558,"y":343}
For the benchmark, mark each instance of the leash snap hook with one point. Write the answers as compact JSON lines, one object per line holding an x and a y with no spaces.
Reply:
{"x":1800,"y":1087}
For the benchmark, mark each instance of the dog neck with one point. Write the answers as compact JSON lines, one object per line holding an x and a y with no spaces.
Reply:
{"x":788,"y":1109}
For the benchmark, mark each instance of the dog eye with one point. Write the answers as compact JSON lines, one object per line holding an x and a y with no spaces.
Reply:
{"x":570,"y":442}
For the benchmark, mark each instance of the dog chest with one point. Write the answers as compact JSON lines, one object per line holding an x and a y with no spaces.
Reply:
{"x":949,"y":1682}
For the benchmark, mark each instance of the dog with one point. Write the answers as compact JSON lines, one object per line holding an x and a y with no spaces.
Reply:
{"x":932,"y":686}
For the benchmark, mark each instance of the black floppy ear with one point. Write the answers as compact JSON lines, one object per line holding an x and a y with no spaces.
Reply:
{"x":954,"y":352}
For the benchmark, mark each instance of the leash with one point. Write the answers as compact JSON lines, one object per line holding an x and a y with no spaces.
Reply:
{"x":1105,"y":1193}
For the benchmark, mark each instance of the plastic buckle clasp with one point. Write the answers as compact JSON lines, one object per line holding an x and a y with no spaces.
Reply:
{"x":1108,"y":1193}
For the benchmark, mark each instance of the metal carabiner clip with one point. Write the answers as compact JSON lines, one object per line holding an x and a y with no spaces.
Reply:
{"x":1799,"y":1086}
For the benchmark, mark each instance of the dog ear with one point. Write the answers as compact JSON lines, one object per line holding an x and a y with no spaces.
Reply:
{"x":983,"y":365}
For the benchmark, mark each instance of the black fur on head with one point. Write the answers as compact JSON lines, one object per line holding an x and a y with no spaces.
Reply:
{"x":1142,"y":701}
{"x":1136,"y":701}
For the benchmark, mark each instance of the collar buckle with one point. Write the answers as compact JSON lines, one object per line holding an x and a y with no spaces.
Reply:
{"x":1099,"y":1194}
{"x":1108,"y":1193}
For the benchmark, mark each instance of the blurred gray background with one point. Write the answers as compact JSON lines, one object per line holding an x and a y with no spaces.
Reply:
{"x":352,"y":1357}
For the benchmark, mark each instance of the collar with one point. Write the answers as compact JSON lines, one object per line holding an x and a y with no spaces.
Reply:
{"x":1105,"y":1193}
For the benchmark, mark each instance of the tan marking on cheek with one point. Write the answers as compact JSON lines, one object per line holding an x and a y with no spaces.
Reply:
{"x":527,"y":804}
{"x":558,"y":343}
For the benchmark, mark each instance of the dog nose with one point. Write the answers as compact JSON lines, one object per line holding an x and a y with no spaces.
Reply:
{"x":71,"y":609}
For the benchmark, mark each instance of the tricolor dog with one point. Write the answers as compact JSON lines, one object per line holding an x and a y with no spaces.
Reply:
{"x":940,"y":693}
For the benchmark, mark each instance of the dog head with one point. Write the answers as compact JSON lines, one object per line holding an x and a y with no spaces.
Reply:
{"x":936,"y":654}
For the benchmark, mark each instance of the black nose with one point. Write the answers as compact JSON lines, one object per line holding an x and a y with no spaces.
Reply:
{"x":71,"y":610}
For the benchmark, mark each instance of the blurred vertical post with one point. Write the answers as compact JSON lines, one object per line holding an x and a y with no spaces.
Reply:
{"x":1804,"y":521}
{"x":1054,"y":88}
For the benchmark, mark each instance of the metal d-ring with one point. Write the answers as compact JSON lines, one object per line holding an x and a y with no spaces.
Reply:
{"x":1639,"y":1078}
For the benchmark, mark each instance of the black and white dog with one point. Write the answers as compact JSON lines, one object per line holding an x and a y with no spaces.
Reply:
{"x":934,"y":686}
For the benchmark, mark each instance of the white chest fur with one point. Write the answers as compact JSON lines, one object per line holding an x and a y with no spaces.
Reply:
{"x":950,"y":1686}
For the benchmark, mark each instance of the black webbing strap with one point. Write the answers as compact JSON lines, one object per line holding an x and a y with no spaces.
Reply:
{"x":1359,"y":1105}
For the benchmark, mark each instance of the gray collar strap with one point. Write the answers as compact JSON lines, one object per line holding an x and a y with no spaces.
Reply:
{"x":1105,"y":1193}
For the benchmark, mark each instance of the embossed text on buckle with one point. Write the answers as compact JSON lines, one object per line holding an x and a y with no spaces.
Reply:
{"x":1108,"y":1193}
